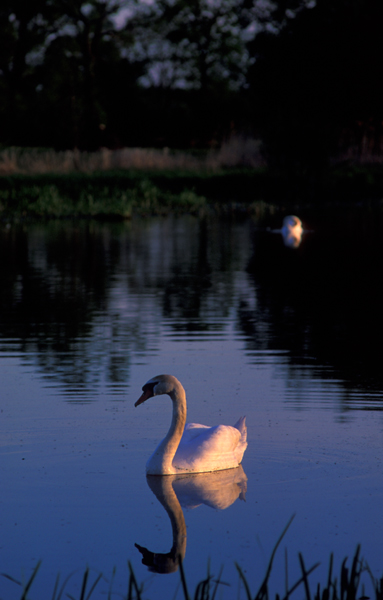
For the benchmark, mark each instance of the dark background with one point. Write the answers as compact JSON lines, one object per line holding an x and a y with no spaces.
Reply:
{"x":305,"y":77}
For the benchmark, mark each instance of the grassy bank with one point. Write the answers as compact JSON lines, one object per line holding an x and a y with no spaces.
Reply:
{"x":122,"y":194}
{"x":125,"y":193}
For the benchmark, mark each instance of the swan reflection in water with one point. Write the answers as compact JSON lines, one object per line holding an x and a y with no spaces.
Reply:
{"x":218,"y":490}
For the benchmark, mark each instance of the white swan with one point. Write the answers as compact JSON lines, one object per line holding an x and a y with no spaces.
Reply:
{"x":292,"y":231}
{"x":192,"y":448}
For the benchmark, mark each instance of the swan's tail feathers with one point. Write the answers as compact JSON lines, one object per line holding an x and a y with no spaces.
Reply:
{"x":241,"y":426}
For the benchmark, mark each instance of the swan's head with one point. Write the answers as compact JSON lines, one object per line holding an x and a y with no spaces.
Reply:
{"x":162,"y":384}
{"x":292,"y":222}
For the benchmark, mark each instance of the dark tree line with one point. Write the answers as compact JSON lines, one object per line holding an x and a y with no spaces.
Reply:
{"x":305,"y":75}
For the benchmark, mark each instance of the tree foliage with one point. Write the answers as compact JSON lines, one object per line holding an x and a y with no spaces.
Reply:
{"x":198,"y":44}
{"x":306,"y":75}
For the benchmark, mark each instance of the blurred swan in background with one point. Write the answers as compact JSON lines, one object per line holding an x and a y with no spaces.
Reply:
{"x":218,"y":490}
{"x":292,"y":231}
{"x":193,"y":448}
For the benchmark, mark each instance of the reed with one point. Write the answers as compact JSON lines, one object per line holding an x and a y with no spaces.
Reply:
{"x":347,"y":587}
{"x":238,"y":151}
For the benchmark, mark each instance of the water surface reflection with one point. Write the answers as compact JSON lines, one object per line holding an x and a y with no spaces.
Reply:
{"x":83,"y":302}
{"x":321,"y":303}
{"x":251,"y":327}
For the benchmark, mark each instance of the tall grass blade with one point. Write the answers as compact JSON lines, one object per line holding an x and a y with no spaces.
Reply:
{"x":244,"y":581}
{"x":262,"y":592}
{"x":326,"y":590}
{"x":64,"y":585}
{"x":304,"y":575}
{"x":55,"y":588}
{"x":217,"y":582}
{"x":379,"y":589}
{"x":355,"y":574}
{"x":298,"y":583}
{"x":183,"y":579}
{"x":286,"y":572}
{"x":93,"y":586}
{"x":133,"y":584}
{"x":343,"y":579}
{"x":29,"y":583}
{"x":203,"y":588}
{"x":11,"y":578}
{"x":111,"y":583}
{"x":377,"y":584}
{"x":84,"y":582}
{"x":317,"y":593}
{"x":334,"y":594}
{"x":330,"y":572}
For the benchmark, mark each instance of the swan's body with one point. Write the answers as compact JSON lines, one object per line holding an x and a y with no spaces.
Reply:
{"x":192,"y":448}
{"x":292,"y":231}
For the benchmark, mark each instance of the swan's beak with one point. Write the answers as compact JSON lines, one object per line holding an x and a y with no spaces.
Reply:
{"x":145,"y":396}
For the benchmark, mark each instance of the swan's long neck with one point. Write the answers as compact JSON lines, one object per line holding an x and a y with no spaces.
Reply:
{"x":160,"y":463}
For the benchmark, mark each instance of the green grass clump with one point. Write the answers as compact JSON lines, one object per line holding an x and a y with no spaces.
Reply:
{"x":83,"y":196}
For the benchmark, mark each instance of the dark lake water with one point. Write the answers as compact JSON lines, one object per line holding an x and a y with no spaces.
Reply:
{"x":289,"y":337}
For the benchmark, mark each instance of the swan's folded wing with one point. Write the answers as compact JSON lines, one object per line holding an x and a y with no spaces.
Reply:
{"x":221,"y":438}
{"x":207,"y":448}
{"x":193,"y":430}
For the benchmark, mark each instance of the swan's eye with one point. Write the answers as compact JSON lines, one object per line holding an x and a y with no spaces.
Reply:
{"x":149,"y":387}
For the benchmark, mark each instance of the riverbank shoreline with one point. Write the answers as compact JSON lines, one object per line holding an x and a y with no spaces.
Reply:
{"x":123,"y":194}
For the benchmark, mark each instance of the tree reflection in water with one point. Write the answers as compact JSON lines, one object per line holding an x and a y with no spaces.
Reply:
{"x":83,"y":300}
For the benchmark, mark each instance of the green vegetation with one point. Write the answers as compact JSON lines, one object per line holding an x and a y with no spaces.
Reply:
{"x":103,"y":196}
{"x":124,"y":194}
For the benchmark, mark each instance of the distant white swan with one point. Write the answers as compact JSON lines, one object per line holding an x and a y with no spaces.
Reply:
{"x":292,"y":231}
{"x":192,"y":448}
